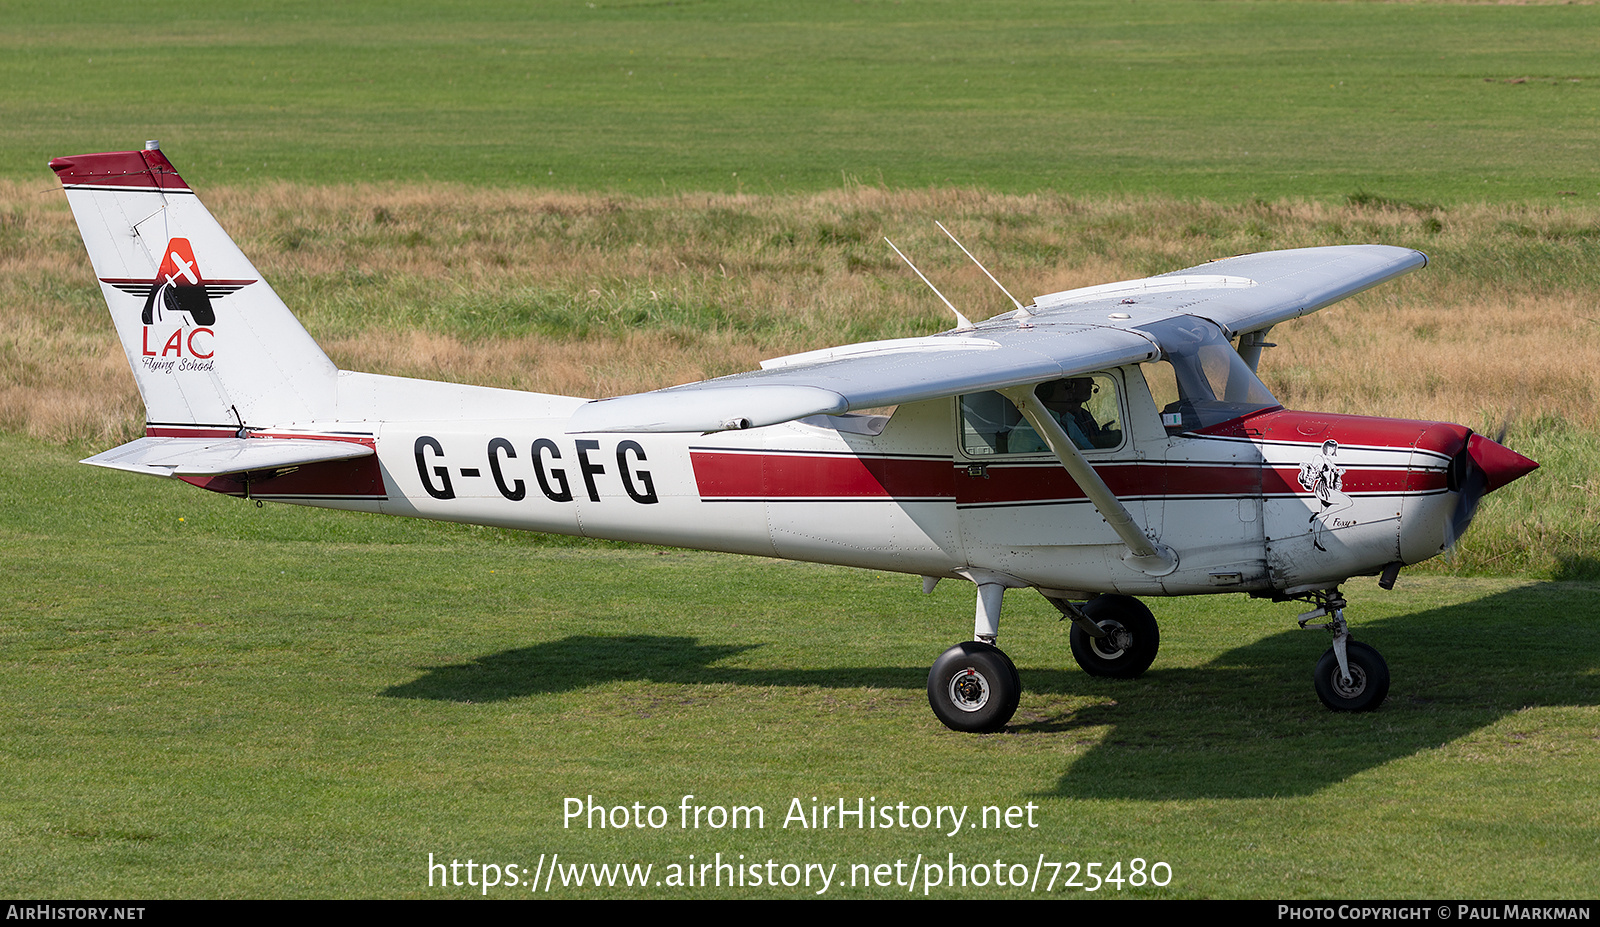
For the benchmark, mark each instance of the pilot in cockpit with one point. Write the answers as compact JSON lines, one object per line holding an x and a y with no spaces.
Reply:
{"x":1065,"y":400}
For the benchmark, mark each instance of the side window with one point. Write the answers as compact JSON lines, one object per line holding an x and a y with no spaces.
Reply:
{"x":1163,"y":383}
{"x":1087,"y":407}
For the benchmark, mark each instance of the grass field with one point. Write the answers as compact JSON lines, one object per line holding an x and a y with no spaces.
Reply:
{"x":206,"y":699}
{"x":1446,"y":102}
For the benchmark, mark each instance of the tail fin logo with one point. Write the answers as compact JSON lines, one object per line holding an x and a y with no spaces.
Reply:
{"x":179,"y":289}
{"x":178,"y":313}
{"x":180,"y":292}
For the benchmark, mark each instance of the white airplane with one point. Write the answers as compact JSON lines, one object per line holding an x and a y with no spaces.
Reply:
{"x":1102,"y":443}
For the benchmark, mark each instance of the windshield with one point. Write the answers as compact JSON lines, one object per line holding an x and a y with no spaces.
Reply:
{"x":1200,"y":380}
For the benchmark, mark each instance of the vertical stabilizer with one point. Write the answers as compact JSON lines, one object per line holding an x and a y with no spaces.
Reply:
{"x":209,"y":341}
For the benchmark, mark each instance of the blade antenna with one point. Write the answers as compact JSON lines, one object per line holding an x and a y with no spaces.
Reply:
{"x":1021,"y":310}
{"x":963,"y":321}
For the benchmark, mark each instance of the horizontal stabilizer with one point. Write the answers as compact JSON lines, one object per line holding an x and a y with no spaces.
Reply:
{"x":219,"y":456}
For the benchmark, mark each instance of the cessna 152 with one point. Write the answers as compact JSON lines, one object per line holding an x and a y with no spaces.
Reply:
{"x":1101,"y":443}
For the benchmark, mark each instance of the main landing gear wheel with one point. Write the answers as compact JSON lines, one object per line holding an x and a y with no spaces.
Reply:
{"x":974,"y":688}
{"x":1369,"y":679}
{"x":1131,"y":640}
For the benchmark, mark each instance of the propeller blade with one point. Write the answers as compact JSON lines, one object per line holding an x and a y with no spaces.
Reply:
{"x":1472,"y":485}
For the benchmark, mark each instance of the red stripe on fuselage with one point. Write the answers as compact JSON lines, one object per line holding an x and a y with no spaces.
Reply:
{"x":190,"y":431}
{"x":1049,"y":482}
{"x":152,"y":430}
{"x":756,"y":477}
{"x":358,"y":478}
{"x":785,"y":476}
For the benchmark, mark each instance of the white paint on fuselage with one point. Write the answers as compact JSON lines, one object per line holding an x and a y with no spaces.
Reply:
{"x":644,"y":488}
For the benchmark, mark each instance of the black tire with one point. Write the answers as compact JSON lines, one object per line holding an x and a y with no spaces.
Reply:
{"x":1369,"y":679}
{"x":1133,"y":642}
{"x":974,"y":688}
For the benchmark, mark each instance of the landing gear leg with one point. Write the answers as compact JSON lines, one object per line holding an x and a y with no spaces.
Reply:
{"x":974,"y":687}
{"x":1351,"y":676}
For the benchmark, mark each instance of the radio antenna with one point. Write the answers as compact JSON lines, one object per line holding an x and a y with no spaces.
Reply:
{"x":1021,"y":310}
{"x":963,"y":321}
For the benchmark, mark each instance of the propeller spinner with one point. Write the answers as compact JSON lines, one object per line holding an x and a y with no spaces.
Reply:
{"x":1477,"y":470}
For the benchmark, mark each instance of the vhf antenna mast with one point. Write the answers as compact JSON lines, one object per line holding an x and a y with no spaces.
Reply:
{"x":963,"y":321}
{"x":1021,"y":310}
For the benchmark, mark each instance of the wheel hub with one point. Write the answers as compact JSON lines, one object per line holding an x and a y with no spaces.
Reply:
{"x":1353,"y":688}
{"x":1118,"y":640}
{"x":969,"y":690}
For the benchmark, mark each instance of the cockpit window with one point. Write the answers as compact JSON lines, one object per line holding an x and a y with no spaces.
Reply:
{"x":1201,"y":380}
{"x":1086,"y":407}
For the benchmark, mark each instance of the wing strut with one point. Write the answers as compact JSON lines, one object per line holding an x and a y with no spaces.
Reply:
{"x":1147,"y":556}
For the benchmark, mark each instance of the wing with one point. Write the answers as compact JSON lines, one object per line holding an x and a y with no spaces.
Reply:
{"x":1253,"y":291}
{"x":864,"y":376}
{"x":1062,"y":335}
{"x":218,"y":456}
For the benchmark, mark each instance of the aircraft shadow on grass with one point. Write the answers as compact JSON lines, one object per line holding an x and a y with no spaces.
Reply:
{"x":580,"y":661}
{"x":1245,"y":725}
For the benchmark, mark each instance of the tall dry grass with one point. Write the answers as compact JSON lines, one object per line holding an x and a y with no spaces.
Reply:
{"x":600,"y":295}
{"x":603,"y":294}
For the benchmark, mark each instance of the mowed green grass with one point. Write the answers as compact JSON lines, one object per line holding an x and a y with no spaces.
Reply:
{"x":1230,"y":100}
{"x":206,"y":699}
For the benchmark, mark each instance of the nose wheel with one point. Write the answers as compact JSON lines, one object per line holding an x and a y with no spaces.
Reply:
{"x":1351,"y":676}
{"x":974,"y":688}
{"x":1366,"y":686}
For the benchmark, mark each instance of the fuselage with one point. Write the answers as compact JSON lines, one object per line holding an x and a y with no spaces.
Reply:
{"x":1273,"y":500}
